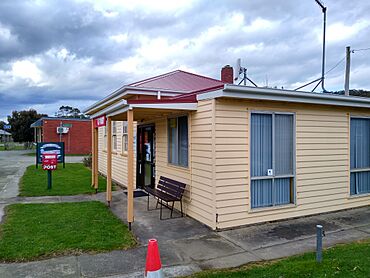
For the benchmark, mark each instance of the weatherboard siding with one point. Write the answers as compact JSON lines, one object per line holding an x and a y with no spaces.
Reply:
{"x":322,"y":162}
{"x":198,"y":201}
{"x":119,"y":159}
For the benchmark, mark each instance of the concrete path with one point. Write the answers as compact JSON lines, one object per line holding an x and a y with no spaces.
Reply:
{"x":186,"y":246}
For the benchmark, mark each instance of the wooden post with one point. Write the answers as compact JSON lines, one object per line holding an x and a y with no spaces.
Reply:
{"x":92,"y":154}
{"x":109,"y":160}
{"x":96,"y":156}
{"x":130,"y":167}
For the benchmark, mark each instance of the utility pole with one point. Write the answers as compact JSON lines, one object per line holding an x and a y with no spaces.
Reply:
{"x":348,"y":70}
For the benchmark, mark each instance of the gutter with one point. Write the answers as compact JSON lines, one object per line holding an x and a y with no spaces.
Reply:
{"x":246,"y":92}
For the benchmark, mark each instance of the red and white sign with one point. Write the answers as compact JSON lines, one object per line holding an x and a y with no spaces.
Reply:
{"x":100,"y":121}
{"x":49,"y":161}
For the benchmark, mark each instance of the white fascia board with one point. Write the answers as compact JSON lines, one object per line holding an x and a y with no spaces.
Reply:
{"x":119,"y":111}
{"x":245,"y":92}
{"x":113,"y":96}
{"x":110,"y":109}
{"x":171,"y":106}
{"x":127,"y":90}
{"x":210,"y":95}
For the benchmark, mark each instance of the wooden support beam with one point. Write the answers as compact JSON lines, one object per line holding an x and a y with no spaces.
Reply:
{"x":92,"y":154}
{"x":95,"y":161}
{"x":109,"y":160}
{"x":130,"y":167}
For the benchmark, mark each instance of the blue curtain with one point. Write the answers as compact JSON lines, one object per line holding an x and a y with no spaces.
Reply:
{"x":183,"y":140}
{"x":282,"y":191}
{"x":261,"y":144}
{"x":261,"y":193}
{"x":271,"y":191}
{"x":172,"y":141}
{"x":283,"y":144}
{"x":360,"y":155}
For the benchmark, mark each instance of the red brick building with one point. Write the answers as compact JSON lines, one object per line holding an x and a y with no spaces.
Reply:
{"x":75,"y":133}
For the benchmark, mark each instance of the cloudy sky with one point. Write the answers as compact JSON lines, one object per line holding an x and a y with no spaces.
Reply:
{"x":74,"y":52}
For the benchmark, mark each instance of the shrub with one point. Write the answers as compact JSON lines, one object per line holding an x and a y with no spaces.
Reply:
{"x":87,"y":161}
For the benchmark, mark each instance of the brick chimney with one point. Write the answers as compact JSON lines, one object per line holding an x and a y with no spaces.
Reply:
{"x":227,"y":74}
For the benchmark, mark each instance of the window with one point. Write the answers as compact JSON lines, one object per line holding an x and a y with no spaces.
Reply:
{"x":178,"y":141}
{"x":360,"y":156}
{"x":105,"y":138}
{"x":114,"y":135}
{"x":272,"y":156}
{"x":124,"y":137}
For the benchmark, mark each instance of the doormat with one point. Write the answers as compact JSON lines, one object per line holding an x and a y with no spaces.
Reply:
{"x":139,"y":193}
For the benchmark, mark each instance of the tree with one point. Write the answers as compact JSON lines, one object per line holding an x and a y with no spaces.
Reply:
{"x":2,"y":123}
{"x":20,"y":122}
{"x":354,"y":92}
{"x":69,"y":112}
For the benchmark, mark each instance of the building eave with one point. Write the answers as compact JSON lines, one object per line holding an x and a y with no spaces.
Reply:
{"x":129,"y":90}
{"x":268,"y":94}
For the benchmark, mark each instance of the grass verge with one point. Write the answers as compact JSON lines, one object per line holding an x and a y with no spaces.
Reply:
{"x":349,"y":260}
{"x":73,"y":180}
{"x":34,"y":231}
{"x":34,"y":154}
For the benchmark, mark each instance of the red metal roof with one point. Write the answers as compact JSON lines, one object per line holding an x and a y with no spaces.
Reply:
{"x":179,"y":81}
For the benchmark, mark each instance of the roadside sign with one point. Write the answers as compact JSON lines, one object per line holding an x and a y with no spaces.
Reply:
{"x":100,"y":121}
{"x":56,"y":148}
{"x":67,"y":125}
{"x":49,"y":162}
{"x":7,"y":127}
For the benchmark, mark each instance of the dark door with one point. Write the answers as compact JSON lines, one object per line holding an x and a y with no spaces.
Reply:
{"x":145,"y":156}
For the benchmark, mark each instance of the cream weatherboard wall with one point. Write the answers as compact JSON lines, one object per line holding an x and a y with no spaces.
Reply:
{"x":119,"y":157}
{"x":198,"y":197}
{"x":322,"y":162}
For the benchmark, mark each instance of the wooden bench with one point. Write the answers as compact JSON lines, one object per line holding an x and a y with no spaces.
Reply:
{"x":168,"y":190}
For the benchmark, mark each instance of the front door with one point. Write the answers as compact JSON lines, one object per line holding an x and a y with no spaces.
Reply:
{"x":145,"y":156}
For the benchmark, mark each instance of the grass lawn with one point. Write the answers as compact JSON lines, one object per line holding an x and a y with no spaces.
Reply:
{"x":350,"y":260}
{"x":72,"y":180}
{"x":34,"y":231}
{"x":34,"y":154}
{"x":12,"y":148}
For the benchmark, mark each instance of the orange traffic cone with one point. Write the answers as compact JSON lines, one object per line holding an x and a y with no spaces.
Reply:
{"x":153,"y":267}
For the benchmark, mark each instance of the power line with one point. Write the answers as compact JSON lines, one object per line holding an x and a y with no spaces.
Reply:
{"x":337,"y":64}
{"x":360,"y":49}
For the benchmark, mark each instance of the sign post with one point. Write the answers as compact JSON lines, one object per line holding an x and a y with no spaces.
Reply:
{"x":49,"y":163}
{"x":50,"y":148}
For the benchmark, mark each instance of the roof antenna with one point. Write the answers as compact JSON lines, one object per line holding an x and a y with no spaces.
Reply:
{"x":321,"y":4}
{"x":242,"y":70}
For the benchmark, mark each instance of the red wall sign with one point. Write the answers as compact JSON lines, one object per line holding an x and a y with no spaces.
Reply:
{"x":49,"y":161}
{"x":100,"y":121}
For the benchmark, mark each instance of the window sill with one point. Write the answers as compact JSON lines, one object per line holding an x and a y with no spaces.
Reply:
{"x":264,"y":209}
{"x":124,"y":154}
{"x":363,"y":195}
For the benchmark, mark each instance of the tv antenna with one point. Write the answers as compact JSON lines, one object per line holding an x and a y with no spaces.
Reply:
{"x":242,"y":70}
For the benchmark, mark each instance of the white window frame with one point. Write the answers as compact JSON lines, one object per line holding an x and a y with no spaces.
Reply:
{"x":292,"y":176}
{"x":178,"y":142}
{"x":124,"y":137}
{"x":356,"y":170}
{"x":114,"y":136}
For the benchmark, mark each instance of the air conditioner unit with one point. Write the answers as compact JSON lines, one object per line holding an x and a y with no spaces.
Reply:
{"x":62,"y":130}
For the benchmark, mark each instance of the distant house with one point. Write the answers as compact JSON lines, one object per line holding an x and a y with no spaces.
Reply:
{"x":75,"y":133}
{"x":247,"y":154}
{"x":5,"y":136}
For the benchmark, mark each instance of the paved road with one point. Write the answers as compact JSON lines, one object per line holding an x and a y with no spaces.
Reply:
{"x":12,"y":166}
